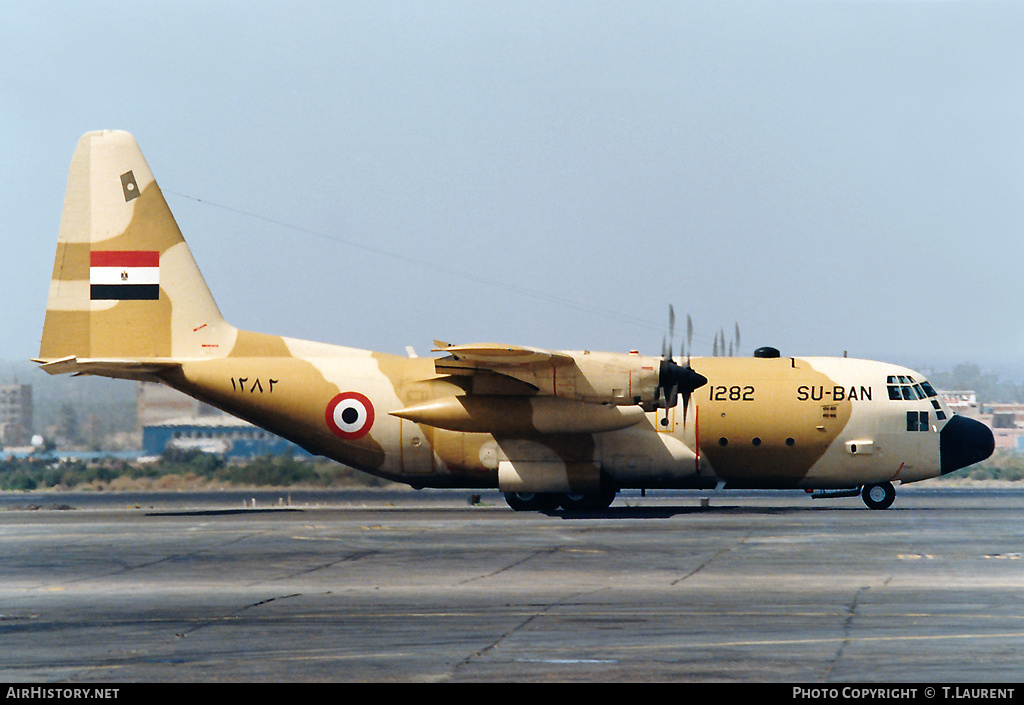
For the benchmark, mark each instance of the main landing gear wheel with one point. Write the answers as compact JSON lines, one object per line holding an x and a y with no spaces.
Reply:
{"x":587,"y":502}
{"x":532,"y":501}
{"x":548,"y":501}
{"x":878,"y":496}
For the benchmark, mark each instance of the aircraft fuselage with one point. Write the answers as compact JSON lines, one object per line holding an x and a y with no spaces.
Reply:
{"x":758,"y":422}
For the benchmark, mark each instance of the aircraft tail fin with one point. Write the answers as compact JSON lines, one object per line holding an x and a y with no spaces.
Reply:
{"x":125,"y":288}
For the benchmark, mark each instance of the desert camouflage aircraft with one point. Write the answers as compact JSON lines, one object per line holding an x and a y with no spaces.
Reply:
{"x":547,"y":428}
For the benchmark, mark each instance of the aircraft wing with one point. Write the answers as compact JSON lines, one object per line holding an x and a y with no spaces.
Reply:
{"x":519,"y":389}
{"x":496,"y":355}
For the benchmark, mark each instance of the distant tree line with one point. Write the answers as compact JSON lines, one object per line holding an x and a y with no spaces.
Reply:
{"x":177,"y":468}
{"x":1004,"y":465}
{"x":197,"y":470}
{"x":989,"y":387}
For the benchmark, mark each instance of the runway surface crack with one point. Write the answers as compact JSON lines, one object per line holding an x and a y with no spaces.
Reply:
{"x":847,"y":628}
{"x":347,"y":558}
{"x":510,"y":566}
{"x":529,"y":619}
{"x":252,"y":605}
{"x":714,"y":557}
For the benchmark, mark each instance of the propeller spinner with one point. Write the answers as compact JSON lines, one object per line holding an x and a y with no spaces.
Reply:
{"x":675,"y":379}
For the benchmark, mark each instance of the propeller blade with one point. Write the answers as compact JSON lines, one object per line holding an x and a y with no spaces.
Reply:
{"x":675,"y":380}
{"x":689,"y":337}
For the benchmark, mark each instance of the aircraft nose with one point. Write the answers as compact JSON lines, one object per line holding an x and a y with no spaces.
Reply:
{"x":964,"y":442}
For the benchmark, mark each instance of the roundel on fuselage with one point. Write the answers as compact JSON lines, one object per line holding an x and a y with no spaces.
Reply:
{"x":349,"y":415}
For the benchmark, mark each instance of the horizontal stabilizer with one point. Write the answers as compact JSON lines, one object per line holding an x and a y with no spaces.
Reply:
{"x":122,"y":369}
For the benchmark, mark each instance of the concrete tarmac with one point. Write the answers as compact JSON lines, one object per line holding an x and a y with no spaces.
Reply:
{"x":423,"y":587}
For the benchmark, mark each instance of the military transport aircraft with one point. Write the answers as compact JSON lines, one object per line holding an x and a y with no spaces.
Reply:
{"x":548,"y":428}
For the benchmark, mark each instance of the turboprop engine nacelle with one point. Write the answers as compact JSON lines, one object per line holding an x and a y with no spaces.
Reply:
{"x":608,"y":378}
{"x":614,"y":378}
{"x":513,"y":415}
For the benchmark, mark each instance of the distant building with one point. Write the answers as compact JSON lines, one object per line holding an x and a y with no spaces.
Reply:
{"x":16,"y":414}
{"x":221,"y":434}
{"x":1005,"y":420}
{"x":964,"y":403}
{"x":1007,"y":424}
{"x":158,"y":402}
{"x":170,"y":419}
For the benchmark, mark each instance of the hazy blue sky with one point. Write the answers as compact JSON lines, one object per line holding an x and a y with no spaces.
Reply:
{"x":832,"y":176}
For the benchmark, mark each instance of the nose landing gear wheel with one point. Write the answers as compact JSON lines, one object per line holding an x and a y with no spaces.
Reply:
{"x":878,"y":496}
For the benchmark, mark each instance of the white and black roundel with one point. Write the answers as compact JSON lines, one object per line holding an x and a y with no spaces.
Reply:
{"x":349,"y":415}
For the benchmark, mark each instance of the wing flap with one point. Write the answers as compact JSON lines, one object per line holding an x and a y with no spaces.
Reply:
{"x":500,"y":355}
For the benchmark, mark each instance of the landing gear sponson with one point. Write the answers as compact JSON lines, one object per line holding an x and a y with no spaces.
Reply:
{"x":876,"y":496}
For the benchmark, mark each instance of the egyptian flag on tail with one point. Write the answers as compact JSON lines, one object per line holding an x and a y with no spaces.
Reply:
{"x":123,"y":275}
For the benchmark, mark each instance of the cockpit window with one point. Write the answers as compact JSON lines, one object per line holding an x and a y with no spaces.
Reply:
{"x":905,"y":388}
